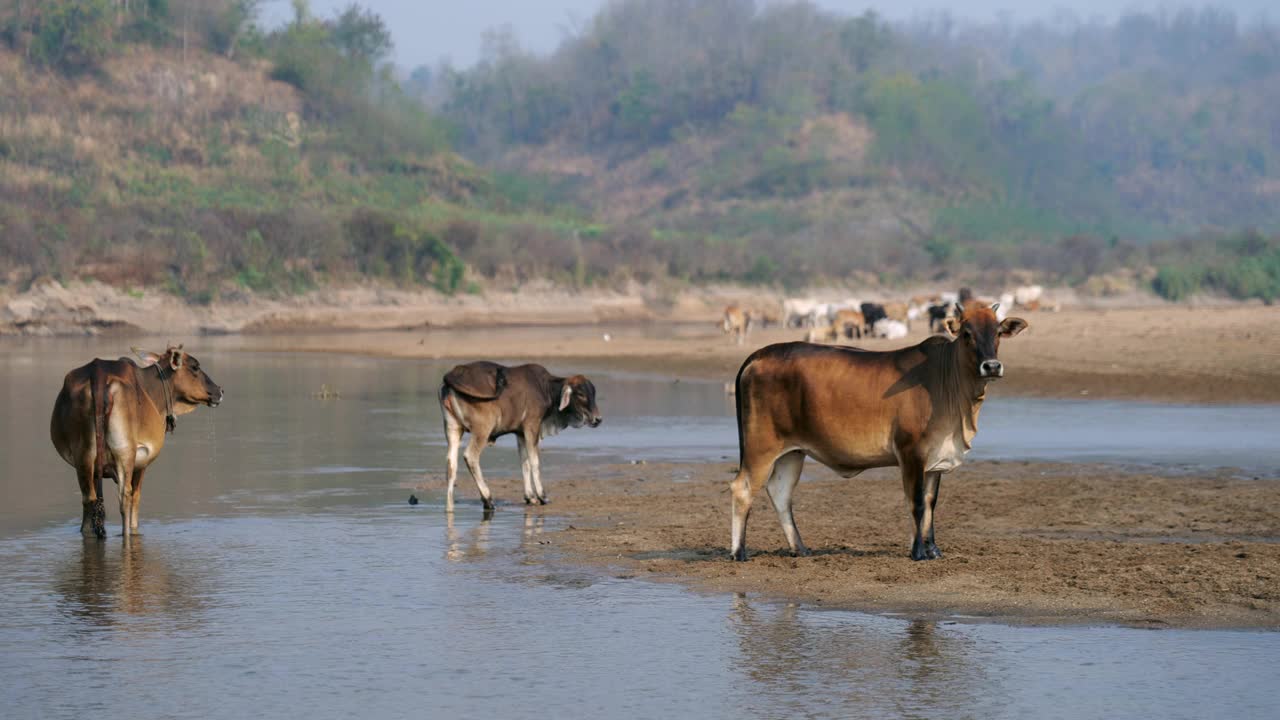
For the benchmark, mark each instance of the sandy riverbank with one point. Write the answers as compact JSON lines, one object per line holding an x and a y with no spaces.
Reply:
{"x":1024,"y":542}
{"x":49,"y":308}
{"x":1225,"y":354}
{"x":1219,"y":353}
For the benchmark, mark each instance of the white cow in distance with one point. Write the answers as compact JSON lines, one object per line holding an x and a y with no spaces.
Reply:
{"x":889,"y":329}
{"x":798,"y":312}
{"x":1027,"y":294}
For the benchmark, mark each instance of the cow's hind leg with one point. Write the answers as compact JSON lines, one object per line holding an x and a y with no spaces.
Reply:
{"x":453,"y":436}
{"x":913,"y":484}
{"x":786,"y":473}
{"x":755,"y":470}
{"x":93,"y":519}
{"x":472,"y":458}
{"x":932,"y":486}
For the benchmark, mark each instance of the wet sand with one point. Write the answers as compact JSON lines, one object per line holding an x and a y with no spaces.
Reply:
{"x":1023,"y":542}
{"x":1178,"y":354}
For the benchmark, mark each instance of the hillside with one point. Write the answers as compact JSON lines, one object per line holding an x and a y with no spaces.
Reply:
{"x":177,"y":145}
{"x":782,"y":142}
{"x":165,"y":160}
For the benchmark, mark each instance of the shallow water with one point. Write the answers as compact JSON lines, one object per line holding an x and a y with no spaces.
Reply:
{"x":282,"y":573}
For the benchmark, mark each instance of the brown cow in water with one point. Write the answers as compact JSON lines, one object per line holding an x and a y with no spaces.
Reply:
{"x":852,"y":410}
{"x":490,"y":400}
{"x":110,"y":420}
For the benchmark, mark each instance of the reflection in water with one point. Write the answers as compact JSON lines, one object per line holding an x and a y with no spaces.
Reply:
{"x":876,"y":667}
{"x":100,"y":588}
{"x":934,"y":669}
{"x":475,"y":543}
{"x":532,"y":528}
{"x":471,"y":545}
{"x":84,"y":585}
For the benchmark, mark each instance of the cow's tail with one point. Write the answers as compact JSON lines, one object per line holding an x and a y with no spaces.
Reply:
{"x":100,"y":391}
{"x":738,"y":400}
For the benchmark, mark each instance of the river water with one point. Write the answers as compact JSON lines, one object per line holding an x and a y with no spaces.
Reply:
{"x":281,"y":573}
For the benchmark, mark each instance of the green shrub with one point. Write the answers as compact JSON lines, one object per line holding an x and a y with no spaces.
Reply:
{"x":73,"y":35}
{"x":763,"y":271}
{"x":1174,"y":282}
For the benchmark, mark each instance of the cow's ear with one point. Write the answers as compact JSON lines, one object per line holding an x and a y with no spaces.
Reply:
{"x":953,"y":325}
{"x":147,"y":357}
{"x":1012,"y":326}
{"x":175,"y":358}
{"x":565,"y":396}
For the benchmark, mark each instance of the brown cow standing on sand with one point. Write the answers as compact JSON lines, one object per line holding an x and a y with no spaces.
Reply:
{"x":852,"y":410}
{"x":736,"y":322}
{"x":848,"y":323}
{"x":110,"y":420}
{"x":489,"y":400}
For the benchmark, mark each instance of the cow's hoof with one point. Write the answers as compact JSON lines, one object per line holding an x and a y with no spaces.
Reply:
{"x":543,"y":501}
{"x":919,"y":554}
{"x":528,"y":501}
{"x":933,"y":552}
{"x":740,"y":555}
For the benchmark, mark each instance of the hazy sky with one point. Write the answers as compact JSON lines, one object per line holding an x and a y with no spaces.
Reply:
{"x":427,"y":31}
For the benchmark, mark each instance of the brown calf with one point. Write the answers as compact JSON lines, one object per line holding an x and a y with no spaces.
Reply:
{"x":490,"y":400}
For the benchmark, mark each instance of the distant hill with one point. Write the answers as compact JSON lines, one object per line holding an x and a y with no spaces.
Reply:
{"x":781,"y":142}
{"x":175,"y":143}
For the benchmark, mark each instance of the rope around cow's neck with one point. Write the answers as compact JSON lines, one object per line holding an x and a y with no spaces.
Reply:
{"x":170,"y":420}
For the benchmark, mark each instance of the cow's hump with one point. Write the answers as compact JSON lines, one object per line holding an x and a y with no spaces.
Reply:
{"x":479,"y":380}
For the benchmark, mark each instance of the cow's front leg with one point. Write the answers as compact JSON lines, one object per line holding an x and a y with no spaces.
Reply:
{"x":124,"y":488}
{"x":526,"y":472}
{"x":933,"y":485}
{"x":535,"y":469}
{"x":913,"y":485}
{"x":136,"y":499}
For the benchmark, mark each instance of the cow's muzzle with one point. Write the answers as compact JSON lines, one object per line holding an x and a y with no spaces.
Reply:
{"x":216,"y":401}
{"x":991,"y":369}
{"x":595,"y":421}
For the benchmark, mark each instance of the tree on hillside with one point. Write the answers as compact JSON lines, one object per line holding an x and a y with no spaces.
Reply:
{"x":70,"y":35}
{"x":339,"y":64}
